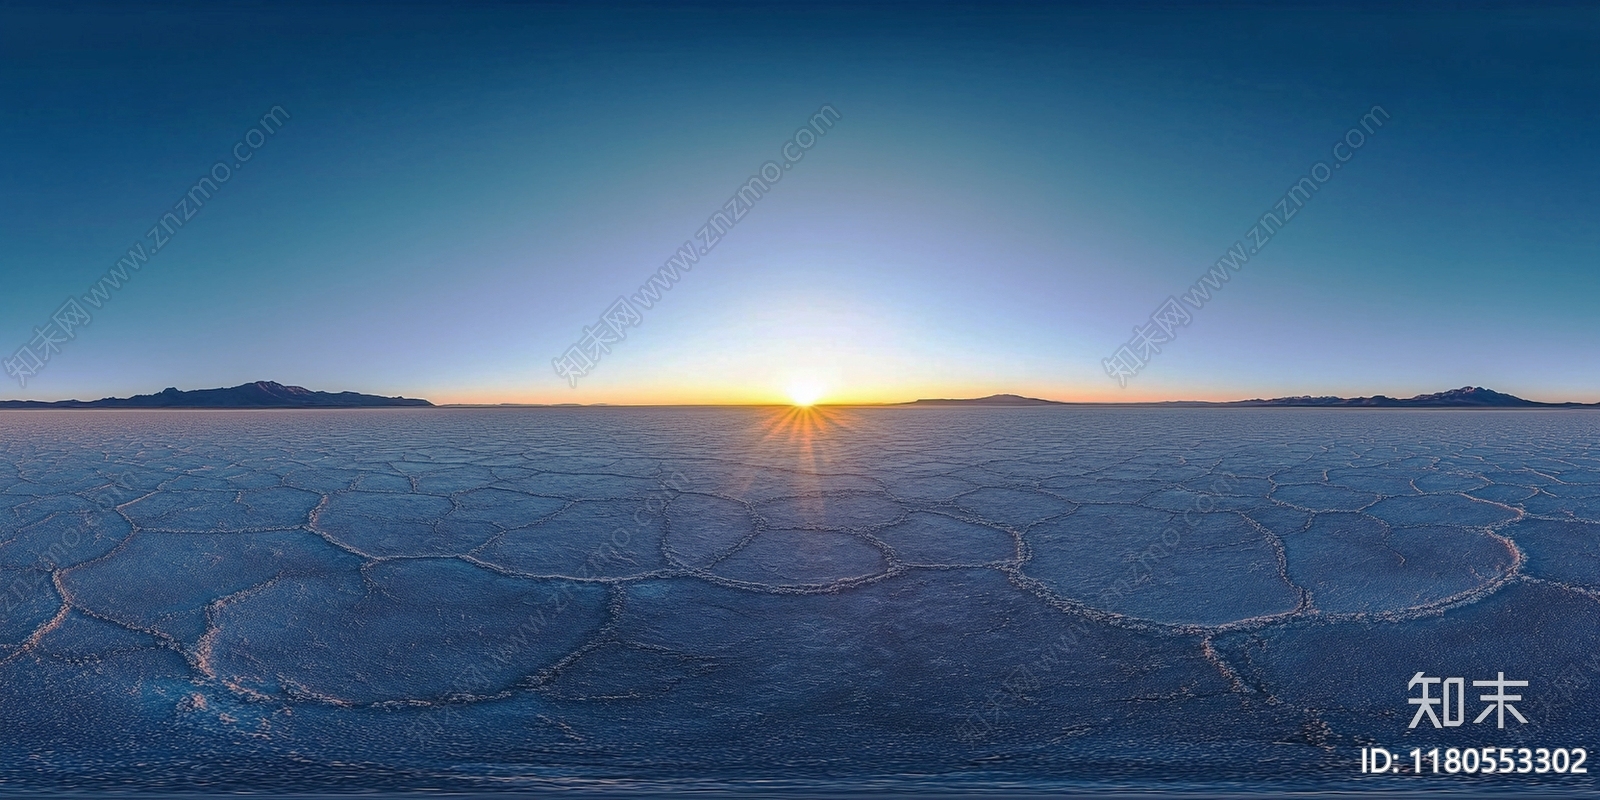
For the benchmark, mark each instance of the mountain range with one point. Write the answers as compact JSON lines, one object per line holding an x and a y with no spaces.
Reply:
{"x":1465,"y":397}
{"x":261,"y":394}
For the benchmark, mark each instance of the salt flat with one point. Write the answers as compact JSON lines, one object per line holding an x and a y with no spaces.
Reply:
{"x":911,"y":598}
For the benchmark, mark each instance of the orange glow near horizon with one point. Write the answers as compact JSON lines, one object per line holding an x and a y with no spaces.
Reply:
{"x":807,"y":393}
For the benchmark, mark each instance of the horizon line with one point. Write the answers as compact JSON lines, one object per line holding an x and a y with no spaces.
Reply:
{"x":1006,"y":399}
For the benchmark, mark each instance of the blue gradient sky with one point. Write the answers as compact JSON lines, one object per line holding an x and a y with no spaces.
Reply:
{"x":1009,"y":191}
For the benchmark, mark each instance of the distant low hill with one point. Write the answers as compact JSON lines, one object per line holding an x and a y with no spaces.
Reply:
{"x":991,"y":400}
{"x":1465,"y":397}
{"x":261,"y":394}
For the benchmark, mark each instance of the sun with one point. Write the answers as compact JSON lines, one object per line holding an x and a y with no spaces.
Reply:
{"x":805,"y":393}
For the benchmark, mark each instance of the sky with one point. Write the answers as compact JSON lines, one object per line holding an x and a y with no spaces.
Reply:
{"x":439,"y":200}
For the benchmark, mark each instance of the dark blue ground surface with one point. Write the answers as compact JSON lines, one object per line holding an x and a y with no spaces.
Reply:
{"x":746,"y":599}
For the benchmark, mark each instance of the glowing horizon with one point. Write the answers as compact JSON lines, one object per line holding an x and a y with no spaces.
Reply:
{"x":824,"y":396}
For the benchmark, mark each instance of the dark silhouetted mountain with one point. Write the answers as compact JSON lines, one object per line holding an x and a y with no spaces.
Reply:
{"x":1465,"y":397}
{"x":991,"y":400}
{"x":261,"y":394}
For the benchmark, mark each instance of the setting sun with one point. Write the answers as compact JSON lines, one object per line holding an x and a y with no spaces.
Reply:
{"x":805,"y":393}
